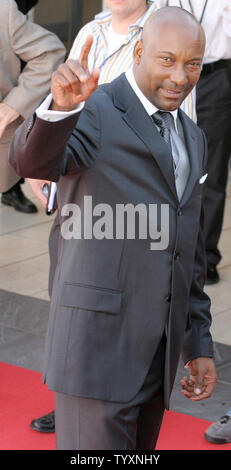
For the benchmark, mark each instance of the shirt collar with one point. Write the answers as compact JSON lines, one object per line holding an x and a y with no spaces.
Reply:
{"x":141,"y":21}
{"x":149,"y":107}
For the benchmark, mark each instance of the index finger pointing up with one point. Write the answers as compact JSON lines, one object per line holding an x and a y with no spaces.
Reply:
{"x":83,"y":58}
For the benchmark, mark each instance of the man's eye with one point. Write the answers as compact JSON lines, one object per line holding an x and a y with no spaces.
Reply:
{"x":166,"y":59}
{"x":195,"y":64}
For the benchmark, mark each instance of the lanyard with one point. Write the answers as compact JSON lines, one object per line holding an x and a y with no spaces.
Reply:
{"x":203,"y":11}
{"x":192,"y":9}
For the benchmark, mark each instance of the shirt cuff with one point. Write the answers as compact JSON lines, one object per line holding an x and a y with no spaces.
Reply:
{"x":43,"y":111}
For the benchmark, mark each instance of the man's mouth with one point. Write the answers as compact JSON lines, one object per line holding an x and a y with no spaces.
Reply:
{"x":170,"y":93}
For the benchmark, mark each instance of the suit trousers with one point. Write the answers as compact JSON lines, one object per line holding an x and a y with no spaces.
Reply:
{"x":91,"y":424}
{"x":214,"y":117}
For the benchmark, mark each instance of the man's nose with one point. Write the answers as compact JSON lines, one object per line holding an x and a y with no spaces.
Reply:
{"x":178,"y":75}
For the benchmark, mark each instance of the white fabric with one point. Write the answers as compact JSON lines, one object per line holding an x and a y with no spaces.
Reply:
{"x":114,"y":40}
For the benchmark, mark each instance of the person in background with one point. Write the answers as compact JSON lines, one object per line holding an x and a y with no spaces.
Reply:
{"x":21,"y":88}
{"x":213,"y":105}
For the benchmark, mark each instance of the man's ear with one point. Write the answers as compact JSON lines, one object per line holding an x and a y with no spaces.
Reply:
{"x":138,"y":51}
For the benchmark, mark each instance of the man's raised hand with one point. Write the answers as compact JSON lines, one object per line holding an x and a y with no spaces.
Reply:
{"x":72,"y":83}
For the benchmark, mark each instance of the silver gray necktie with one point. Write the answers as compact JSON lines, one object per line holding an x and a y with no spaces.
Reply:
{"x":164,"y":121}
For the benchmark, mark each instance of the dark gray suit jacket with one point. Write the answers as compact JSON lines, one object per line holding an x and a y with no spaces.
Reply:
{"x":113,"y":298}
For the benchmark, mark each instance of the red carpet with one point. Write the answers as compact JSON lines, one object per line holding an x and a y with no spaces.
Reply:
{"x":23,"y":397}
{"x":183,"y":432}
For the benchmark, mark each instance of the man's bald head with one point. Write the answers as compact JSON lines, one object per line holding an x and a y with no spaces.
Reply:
{"x":168,"y":58}
{"x":167,"y":17}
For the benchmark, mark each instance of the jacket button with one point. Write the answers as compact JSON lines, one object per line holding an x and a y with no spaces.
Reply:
{"x":179,"y":212}
{"x":168,"y":298}
{"x":177,"y":256}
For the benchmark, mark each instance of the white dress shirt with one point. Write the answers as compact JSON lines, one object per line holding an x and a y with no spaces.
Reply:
{"x":216,"y":23}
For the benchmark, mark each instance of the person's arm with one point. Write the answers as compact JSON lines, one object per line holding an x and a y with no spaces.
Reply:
{"x":198,"y":345}
{"x":41,"y":51}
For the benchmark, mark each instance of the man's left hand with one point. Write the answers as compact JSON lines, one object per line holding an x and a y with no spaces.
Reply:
{"x":202,"y":379}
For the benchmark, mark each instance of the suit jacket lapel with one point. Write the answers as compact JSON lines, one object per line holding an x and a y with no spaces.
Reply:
{"x":137,"y":118}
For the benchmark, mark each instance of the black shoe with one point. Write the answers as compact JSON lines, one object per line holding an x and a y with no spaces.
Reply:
{"x":212,"y":275}
{"x":15,"y":198}
{"x":45,"y":423}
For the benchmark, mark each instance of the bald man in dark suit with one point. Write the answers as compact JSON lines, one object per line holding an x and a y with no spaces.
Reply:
{"x":121,"y":304}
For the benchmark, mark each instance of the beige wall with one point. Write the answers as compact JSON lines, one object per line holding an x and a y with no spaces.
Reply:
{"x":90,"y":9}
{"x":59,"y":11}
{"x":55,"y":15}
{"x":52,"y":11}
